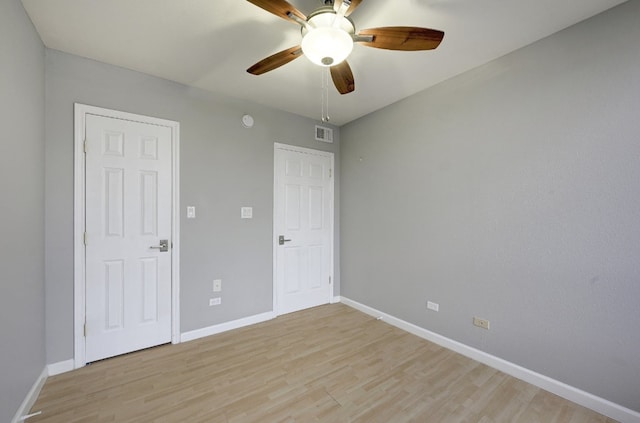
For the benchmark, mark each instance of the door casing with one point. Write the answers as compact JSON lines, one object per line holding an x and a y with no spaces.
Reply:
{"x":279,"y":146}
{"x":79,"y":271}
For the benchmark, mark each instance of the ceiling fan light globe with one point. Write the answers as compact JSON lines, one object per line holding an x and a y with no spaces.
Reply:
{"x":327,"y":46}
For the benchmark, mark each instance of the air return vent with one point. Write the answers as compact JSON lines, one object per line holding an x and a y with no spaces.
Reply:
{"x":324,"y":134}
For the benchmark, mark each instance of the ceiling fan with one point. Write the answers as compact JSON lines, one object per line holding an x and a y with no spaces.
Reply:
{"x":328,"y":35}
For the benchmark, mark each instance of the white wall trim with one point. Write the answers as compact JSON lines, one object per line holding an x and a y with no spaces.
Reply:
{"x":336,"y":299}
{"x":227,"y":326}
{"x":80,"y":111}
{"x":60,"y":367}
{"x":31,"y":397}
{"x":601,"y":405}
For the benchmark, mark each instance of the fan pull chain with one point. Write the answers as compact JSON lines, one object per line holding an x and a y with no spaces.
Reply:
{"x":325,"y":94}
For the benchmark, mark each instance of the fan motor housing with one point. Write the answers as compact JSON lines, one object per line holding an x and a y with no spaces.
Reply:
{"x":324,"y":16}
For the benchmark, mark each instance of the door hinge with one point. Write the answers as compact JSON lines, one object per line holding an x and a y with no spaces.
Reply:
{"x":84,"y":147}
{"x":84,"y":330}
{"x":84,"y":239}
{"x":329,"y":280}
{"x":330,"y":173}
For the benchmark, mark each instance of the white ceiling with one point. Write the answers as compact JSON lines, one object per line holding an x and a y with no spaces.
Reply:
{"x":209,"y":44}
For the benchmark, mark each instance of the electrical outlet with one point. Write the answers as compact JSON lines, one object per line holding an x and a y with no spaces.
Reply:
{"x":481,"y":323}
{"x":433,"y":306}
{"x":217,"y":285}
{"x":215,"y":301}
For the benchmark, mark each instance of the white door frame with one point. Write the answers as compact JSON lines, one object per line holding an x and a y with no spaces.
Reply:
{"x":79,"y":271}
{"x":330,"y":155}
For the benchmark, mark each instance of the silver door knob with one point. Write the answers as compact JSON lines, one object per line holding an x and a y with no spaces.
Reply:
{"x":281,"y":240}
{"x":163,"y":247}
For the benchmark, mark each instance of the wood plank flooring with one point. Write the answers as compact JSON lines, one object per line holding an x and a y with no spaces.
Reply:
{"x":328,"y":364}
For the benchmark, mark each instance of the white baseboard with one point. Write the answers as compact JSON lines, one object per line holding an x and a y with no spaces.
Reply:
{"x":223,"y":327}
{"x":60,"y":367}
{"x":598,"y":404}
{"x":31,"y":397}
{"x":335,"y":299}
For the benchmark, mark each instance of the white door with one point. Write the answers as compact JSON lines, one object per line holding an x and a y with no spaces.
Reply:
{"x":303,"y":228}
{"x":127,"y":214}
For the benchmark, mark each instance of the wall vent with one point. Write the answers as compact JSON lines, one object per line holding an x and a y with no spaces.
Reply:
{"x":324,"y":134}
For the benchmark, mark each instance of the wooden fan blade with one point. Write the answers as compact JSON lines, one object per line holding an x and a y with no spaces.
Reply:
{"x":407,"y":38}
{"x":343,"y":78}
{"x":354,"y":5}
{"x":279,"y":8}
{"x":275,"y":61}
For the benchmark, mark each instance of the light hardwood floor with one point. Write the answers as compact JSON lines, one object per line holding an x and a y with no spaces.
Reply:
{"x":328,"y":364}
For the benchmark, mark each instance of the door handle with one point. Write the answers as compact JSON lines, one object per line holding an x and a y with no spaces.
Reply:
{"x":281,"y":240}
{"x":163,"y":247}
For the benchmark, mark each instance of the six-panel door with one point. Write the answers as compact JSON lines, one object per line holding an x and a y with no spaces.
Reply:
{"x":128,"y":212}
{"x":303,"y":216}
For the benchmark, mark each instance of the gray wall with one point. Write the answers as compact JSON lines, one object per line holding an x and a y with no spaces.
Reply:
{"x":512,"y":192}
{"x":22,"y":349}
{"x":223,"y":166}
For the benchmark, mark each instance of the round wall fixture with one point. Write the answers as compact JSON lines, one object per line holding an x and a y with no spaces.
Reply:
{"x":247,"y":121}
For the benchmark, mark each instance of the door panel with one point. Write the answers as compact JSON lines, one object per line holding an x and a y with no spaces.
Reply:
{"x":127,"y":212}
{"x":149,"y":279}
{"x":114,"y":294}
{"x":293,"y":269}
{"x":316,"y":208}
{"x":303,"y":189}
{"x":292,"y":207}
{"x":149,"y":203}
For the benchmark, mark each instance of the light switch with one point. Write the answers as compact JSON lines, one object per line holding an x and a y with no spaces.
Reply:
{"x":246,"y":212}
{"x":191,"y":212}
